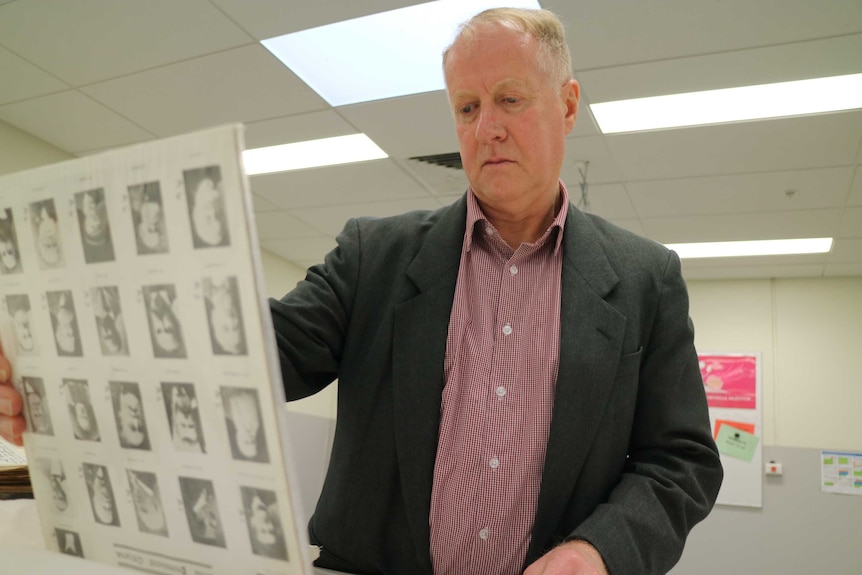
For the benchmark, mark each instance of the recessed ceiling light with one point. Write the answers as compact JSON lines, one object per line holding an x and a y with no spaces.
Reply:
{"x":782,"y":99}
{"x":311,"y":154}
{"x":383,"y":55}
{"x":752,"y":248}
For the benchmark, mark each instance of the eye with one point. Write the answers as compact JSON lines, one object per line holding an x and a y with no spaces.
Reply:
{"x":466,"y":109}
{"x":511,"y":99}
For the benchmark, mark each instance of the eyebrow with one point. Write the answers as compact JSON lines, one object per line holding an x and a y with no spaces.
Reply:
{"x":502,"y":85}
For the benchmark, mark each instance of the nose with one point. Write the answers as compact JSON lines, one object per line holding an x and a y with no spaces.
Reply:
{"x":488,"y":126}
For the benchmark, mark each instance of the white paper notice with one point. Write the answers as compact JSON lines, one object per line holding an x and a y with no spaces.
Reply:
{"x":11,"y":455}
{"x":132,"y":309}
{"x":841,"y":472}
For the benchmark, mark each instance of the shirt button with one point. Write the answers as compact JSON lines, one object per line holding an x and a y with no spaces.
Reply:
{"x":507,"y":329}
{"x":494,"y":463}
{"x":513,"y":270}
{"x":489,"y":230}
{"x":483,"y":534}
{"x":500,"y":391}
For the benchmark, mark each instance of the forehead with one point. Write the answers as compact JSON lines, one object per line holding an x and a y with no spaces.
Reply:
{"x":490,"y":55}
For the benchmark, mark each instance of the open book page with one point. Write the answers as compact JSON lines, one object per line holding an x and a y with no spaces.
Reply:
{"x":132,"y":309}
{"x":11,"y":455}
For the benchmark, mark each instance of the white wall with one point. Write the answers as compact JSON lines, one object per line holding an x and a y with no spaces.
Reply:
{"x":809,"y":332}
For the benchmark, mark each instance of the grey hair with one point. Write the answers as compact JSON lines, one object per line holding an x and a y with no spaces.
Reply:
{"x":542,"y":25}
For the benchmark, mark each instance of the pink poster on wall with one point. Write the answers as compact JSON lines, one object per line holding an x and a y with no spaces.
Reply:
{"x":730,"y":380}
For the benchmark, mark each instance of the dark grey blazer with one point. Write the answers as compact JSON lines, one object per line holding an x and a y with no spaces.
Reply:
{"x":631,"y":465}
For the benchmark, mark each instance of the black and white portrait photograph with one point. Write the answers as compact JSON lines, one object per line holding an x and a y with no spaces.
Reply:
{"x":94,"y":226}
{"x":165,"y":330}
{"x":264,"y":523}
{"x":184,"y":417}
{"x":109,"y":320}
{"x":36,"y":406}
{"x":80,"y":407}
{"x":224,"y":316}
{"x":129,"y":415}
{"x":54,"y":473}
{"x":202,"y":512}
{"x":46,"y":234}
{"x":18,"y":308}
{"x":244,"y":425}
{"x":148,"y":218}
{"x":144,"y":487}
{"x":65,"y":323}
{"x":102,"y":499}
{"x":205,"y":198}
{"x":10,"y":255}
{"x":68,"y":542}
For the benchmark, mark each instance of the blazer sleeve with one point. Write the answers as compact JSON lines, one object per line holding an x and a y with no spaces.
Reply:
{"x":672,"y":474}
{"x":311,"y":320}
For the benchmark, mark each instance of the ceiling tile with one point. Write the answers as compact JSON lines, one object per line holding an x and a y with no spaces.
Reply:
{"x":301,"y":249}
{"x":846,"y":251}
{"x":602,"y":167}
{"x":415,"y":125}
{"x":824,"y":140}
{"x":67,"y":120}
{"x":262,"y":205}
{"x":29,"y":81}
{"x":763,"y":65}
{"x":754,"y":261}
{"x":378,"y":180}
{"x":749,"y":226}
{"x":240,"y":85}
{"x":438,"y":180}
{"x":837,"y":270}
{"x":268,"y":18}
{"x":753,"y":272}
{"x":855,"y":197}
{"x":331,"y":219}
{"x":310,"y":126}
{"x":817,"y":188}
{"x":92,"y":40}
{"x":281,"y":225}
{"x":609,"y":201}
{"x":851,"y":223}
{"x":605,"y":34}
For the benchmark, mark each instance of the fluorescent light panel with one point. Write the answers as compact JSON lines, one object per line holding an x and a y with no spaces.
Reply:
{"x":383,"y":55}
{"x":782,"y":99}
{"x":311,"y":154}
{"x":752,"y":248}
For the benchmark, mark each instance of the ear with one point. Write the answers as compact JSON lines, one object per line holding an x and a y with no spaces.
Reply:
{"x":570,"y":93}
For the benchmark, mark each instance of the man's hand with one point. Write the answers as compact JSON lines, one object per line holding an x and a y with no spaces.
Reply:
{"x":11,"y":421}
{"x":571,"y":558}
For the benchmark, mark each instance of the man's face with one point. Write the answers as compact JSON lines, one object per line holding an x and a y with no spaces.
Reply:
{"x":38,"y":414}
{"x":226,"y":324}
{"x":48,"y":242}
{"x":261,"y":523}
{"x":150,"y":228}
{"x":207,"y":213}
{"x":8,"y":254}
{"x":65,"y":332}
{"x":131,"y":422}
{"x":22,"y":330}
{"x":166,"y":333}
{"x":103,"y":503}
{"x":511,"y":119}
{"x":246,"y":419}
{"x":94,"y":222}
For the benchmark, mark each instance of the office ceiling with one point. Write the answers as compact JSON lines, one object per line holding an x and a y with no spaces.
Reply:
{"x":89,"y":75}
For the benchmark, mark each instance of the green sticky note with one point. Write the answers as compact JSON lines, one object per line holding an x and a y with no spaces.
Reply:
{"x":843,"y":461}
{"x":828,"y":461}
{"x":736,"y":443}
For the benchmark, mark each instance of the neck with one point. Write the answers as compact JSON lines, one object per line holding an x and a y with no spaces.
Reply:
{"x":517,"y":228}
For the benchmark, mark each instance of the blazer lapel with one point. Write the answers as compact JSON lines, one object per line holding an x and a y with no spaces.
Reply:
{"x":418,"y":354}
{"x":591,"y":334}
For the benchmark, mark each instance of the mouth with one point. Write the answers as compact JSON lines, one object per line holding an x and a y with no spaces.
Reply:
{"x":497,"y":161}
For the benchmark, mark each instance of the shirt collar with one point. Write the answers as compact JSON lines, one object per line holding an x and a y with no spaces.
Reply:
{"x":475,"y":216}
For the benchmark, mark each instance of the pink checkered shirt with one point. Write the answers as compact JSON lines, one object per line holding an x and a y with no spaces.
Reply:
{"x":502,"y":354}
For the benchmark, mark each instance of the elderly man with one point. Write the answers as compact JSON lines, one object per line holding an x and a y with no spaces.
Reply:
{"x":518,"y":384}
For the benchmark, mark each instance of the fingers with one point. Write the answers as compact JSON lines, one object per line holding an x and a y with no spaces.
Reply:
{"x":11,"y":423}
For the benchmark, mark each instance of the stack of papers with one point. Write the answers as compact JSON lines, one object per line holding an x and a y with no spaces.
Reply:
{"x":14,"y":473}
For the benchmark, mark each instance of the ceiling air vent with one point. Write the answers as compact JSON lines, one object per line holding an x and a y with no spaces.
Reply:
{"x":452,"y":160}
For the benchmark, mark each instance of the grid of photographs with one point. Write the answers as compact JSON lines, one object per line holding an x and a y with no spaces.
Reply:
{"x":134,"y":320}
